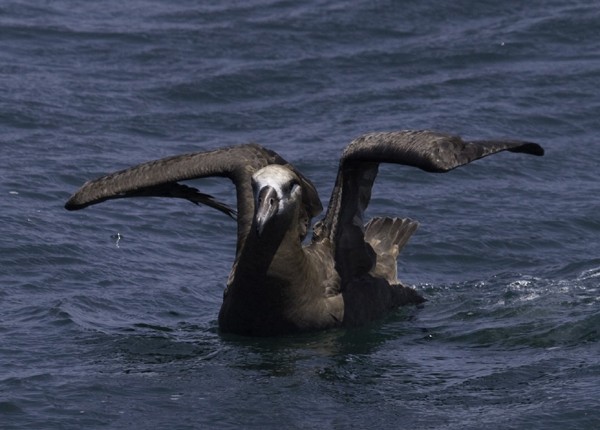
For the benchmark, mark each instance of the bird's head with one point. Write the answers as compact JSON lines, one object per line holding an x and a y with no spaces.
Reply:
{"x":277,"y":198}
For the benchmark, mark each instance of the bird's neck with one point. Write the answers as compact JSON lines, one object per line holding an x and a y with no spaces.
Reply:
{"x":275,"y":254}
{"x":263,"y":284}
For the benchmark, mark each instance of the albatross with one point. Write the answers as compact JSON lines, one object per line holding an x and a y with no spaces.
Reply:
{"x":346,"y":275}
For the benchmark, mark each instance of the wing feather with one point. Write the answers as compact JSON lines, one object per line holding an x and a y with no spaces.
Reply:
{"x":426,"y":150}
{"x":159,"y":178}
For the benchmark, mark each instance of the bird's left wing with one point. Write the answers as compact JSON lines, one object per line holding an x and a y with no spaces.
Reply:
{"x":427,"y":150}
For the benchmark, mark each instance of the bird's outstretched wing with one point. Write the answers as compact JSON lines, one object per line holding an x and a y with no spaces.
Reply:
{"x":427,"y":150}
{"x":160,"y":178}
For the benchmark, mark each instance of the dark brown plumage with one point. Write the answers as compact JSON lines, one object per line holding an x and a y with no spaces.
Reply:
{"x":346,"y":276}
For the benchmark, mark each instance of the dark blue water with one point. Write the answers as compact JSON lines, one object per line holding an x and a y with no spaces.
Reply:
{"x":108,"y":316}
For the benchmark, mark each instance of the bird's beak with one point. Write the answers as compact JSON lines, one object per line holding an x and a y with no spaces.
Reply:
{"x":267,"y":204}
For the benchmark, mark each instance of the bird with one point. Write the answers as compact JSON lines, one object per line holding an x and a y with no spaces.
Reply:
{"x":346,"y":273}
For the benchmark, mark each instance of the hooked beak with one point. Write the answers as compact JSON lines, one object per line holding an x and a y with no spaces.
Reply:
{"x":267,"y":205}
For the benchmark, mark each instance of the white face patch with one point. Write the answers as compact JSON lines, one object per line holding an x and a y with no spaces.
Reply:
{"x":281,"y":179}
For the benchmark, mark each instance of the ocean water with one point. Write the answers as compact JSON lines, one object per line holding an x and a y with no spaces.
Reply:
{"x":108,"y":315}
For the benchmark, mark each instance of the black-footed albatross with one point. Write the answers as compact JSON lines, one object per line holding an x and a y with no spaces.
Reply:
{"x":346,"y":275}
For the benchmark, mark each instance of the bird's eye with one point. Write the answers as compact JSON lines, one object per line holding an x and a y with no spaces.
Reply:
{"x":290,"y":186}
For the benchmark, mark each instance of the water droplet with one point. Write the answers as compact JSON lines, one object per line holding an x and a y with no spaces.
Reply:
{"x":117,"y":237}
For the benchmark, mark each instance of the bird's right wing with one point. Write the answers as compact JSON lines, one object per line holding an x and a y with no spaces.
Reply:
{"x":160,"y":178}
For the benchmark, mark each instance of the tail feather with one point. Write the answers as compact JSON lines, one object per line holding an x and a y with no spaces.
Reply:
{"x":387,"y":236}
